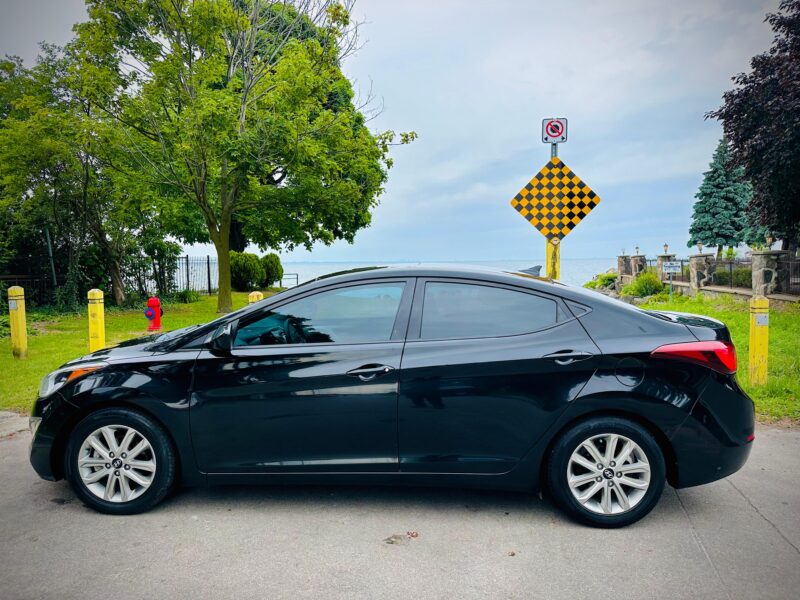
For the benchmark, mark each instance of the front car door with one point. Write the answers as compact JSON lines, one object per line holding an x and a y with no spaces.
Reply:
{"x":310,"y":385}
{"x":486,"y":369}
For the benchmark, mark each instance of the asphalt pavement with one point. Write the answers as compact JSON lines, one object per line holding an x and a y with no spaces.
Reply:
{"x":736,"y":538}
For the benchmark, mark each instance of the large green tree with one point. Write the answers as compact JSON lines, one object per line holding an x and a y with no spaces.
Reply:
{"x":238,"y":111}
{"x":761,"y":118}
{"x":719,"y":216}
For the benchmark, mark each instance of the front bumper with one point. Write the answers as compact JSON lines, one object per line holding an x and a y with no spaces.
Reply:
{"x":55,"y":413}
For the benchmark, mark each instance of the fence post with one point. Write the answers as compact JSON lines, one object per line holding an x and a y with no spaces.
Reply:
{"x":16,"y":318}
{"x":208,"y":272}
{"x":759,"y":340}
{"x":97,"y":321}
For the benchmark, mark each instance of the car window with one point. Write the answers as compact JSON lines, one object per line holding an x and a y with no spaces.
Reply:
{"x":460,"y":310}
{"x":356,"y":314}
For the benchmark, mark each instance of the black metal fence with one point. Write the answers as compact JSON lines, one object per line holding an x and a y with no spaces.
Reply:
{"x":733,"y":273}
{"x":196,"y":273}
{"x":792,"y":266}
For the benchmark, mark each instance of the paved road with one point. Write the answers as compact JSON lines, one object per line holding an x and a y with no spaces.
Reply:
{"x":737,"y":538}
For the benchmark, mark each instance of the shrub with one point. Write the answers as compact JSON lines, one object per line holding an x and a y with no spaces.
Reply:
{"x":603,"y":280}
{"x":273,"y":269}
{"x":742,"y":277}
{"x":646,"y":284}
{"x":246,"y":271}
{"x":187,"y":296}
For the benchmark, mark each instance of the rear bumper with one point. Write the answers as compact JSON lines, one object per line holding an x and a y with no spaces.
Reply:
{"x":716,"y":438}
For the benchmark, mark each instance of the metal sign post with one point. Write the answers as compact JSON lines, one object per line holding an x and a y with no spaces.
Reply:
{"x":671,"y":267}
{"x":556,"y":199}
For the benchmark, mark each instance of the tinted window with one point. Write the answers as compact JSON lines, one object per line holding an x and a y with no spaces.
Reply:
{"x":458,"y":310}
{"x":362,"y":313}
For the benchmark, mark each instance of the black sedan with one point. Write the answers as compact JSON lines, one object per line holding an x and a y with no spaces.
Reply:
{"x":421,"y":376}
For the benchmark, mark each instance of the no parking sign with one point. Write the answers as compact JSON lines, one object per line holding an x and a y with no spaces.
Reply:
{"x":554,"y":130}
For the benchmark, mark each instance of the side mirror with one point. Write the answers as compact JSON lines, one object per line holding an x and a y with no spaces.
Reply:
{"x":222,"y":339}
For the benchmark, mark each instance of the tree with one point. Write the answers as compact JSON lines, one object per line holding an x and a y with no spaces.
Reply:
{"x":761,"y":118}
{"x":719,"y":216}
{"x":238,"y":110}
{"x":273,"y":269}
{"x":54,"y":174}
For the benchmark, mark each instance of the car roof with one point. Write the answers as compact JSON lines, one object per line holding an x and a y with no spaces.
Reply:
{"x":430,"y":270}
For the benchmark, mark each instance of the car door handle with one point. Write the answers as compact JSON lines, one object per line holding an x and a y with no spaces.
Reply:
{"x":370,"y":372}
{"x":567,"y":357}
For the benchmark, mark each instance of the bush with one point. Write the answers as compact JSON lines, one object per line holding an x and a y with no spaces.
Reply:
{"x":603,"y":280}
{"x":187,"y":296}
{"x":273,"y":269}
{"x":742,"y":277}
{"x":646,"y":284}
{"x":246,"y":271}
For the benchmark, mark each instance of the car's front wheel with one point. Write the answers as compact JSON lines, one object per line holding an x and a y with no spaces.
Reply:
{"x":119,"y":461}
{"x":606,"y":472}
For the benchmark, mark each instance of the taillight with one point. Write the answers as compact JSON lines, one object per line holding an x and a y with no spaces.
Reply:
{"x":720,"y":356}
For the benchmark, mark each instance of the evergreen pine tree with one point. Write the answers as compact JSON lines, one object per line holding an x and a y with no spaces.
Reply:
{"x":719,"y":214}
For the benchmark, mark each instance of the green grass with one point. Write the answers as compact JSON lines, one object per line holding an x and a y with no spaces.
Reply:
{"x":58,"y":339}
{"x":779,"y":399}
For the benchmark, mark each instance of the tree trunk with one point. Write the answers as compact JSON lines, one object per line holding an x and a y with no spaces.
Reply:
{"x":222,"y":245}
{"x":719,"y":252}
{"x":117,"y":287}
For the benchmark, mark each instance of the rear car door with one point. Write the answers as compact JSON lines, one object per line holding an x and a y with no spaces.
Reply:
{"x":310,"y":385}
{"x":486,"y":369}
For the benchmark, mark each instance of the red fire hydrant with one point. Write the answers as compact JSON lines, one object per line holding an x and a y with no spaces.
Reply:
{"x":153,"y":313}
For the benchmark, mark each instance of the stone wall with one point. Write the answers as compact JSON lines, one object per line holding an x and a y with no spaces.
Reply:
{"x":770,"y":275}
{"x":701,"y":270}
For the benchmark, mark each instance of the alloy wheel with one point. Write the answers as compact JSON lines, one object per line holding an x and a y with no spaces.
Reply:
{"x":116,"y":463}
{"x":608,"y":474}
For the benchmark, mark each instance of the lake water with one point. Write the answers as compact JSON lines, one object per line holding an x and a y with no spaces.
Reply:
{"x":576,"y":271}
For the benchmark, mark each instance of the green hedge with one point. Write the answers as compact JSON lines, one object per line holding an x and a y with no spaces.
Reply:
{"x":742,"y":277}
{"x":247,"y":274}
{"x":273,"y":269}
{"x":646,"y":284}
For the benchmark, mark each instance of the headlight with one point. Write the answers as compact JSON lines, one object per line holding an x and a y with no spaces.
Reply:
{"x":58,"y":378}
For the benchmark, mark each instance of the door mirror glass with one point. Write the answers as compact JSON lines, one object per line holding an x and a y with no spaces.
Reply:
{"x":222,"y":339}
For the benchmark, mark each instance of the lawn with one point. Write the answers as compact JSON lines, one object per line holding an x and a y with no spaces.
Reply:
{"x":65,"y":337}
{"x":779,"y":399}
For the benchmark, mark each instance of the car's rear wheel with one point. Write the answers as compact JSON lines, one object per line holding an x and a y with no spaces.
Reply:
{"x":606,"y":472}
{"x":119,"y":461}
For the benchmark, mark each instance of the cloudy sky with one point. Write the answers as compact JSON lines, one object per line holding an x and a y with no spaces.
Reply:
{"x":475,"y":78}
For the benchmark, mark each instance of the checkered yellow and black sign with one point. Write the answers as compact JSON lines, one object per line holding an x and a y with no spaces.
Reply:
{"x":555,"y":200}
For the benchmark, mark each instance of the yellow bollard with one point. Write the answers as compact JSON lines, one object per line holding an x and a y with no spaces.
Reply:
{"x":759,"y":340}
{"x":16,"y":318}
{"x":255,"y":297}
{"x":553,"y":258}
{"x":97,"y":321}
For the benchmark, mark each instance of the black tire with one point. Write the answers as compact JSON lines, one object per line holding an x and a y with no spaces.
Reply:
{"x":162,"y":451}
{"x":558,"y":464}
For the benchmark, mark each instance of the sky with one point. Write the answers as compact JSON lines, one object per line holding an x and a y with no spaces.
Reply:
{"x":475,"y":78}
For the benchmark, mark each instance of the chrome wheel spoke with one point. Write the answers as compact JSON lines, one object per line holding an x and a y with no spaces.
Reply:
{"x":611,"y":448}
{"x":634,"y":483}
{"x":143,"y":465}
{"x":622,"y":497}
{"x":637,"y":467}
{"x":116,"y":478}
{"x":589,"y":494}
{"x":605,"y":502}
{"x":593,"y":452}
{"x":579,"y":480}
{"x":585,"y":463}
{"x":622,"y":484}
{"x":138,"y":478}
{"x":110,"y":488}
{"x":96,"y":476}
